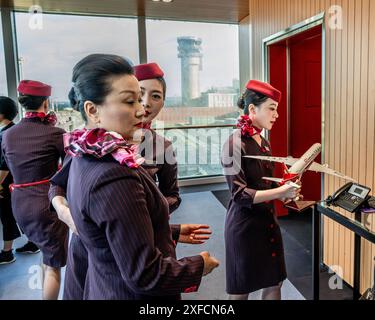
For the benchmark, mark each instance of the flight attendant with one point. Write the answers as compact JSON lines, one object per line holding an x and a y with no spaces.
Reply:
{"x":166,"y":174}
{"x":253,"y":243}
{"x":32,"y":150}
{"x":119,"y":213}
{"x":160,"y":160}
{"x":8,"y":111}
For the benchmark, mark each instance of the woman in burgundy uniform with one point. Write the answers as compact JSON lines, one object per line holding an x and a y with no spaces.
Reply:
{"x":165,"y":172}
{"x":253,"y":244}
{"x":120,"y":215}
{"x":8,"y":111}
{"x":32,"y":150}
{"x":158,"y":152}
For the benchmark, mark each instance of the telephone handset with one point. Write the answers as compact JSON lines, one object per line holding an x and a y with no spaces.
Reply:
{"x":350,"y":197}
{"x":342,"y":189}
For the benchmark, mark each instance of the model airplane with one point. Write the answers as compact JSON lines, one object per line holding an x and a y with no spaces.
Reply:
{"x":299,"y":166}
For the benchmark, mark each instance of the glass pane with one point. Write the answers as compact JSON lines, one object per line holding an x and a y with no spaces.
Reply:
{"x":3,"y":83}
{"x":201,"y":66}
{"x":197,"y":150}
{"x":49,"y":54}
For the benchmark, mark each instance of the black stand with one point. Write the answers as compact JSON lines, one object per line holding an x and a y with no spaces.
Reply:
{"x":357,"y":260}
{"x":353,"y":225}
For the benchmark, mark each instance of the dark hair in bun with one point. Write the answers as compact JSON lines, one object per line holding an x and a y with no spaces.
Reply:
{"x":250,"y":97}
{"x":92,"y":78}
{"x":73,"y":99}
{"x":31,"y":102}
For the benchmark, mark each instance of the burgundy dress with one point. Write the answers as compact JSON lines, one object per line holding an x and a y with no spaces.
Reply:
{"x":166,"y":174}
{"x":253,"y":243}
{"x":32,"y":150}
{"x":10,"y":228}
{"x":161,"y":164}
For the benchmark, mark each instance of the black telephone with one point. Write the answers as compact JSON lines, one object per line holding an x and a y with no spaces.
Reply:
{"x":350,"y":196}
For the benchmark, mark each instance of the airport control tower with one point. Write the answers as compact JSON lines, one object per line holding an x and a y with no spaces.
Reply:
{"x":190,"y":52}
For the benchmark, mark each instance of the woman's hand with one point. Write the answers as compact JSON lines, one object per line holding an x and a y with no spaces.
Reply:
{"x":289,"y":192}
{"x":66,"y":217}
{"x":194,"y":233}
{"x":63,"y":212}
{"x":210,"y":263}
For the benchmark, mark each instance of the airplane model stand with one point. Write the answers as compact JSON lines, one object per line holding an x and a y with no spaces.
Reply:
{"x":355,"y":225}
{"x":300,"y":206}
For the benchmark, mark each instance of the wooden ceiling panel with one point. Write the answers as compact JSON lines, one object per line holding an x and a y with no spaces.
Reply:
{"x":226,"y":11}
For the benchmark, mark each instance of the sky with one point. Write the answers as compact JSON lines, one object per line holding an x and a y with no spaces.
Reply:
{"x":49,"y":54}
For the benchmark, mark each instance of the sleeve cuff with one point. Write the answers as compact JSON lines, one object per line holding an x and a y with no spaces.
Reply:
{"x":173,"y":203}
{"x":197,"y":264}
{"x":175,"y":228}
{"x":245,"y":197}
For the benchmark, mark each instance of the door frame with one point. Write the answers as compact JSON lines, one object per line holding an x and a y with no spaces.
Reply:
{"x":293,"y":30}
{"x":305,"y":25}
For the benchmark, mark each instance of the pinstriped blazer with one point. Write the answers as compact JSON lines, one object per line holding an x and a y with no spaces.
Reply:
{"x":122,"y":219}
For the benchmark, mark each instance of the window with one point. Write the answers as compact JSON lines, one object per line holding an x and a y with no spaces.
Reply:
{"x":197,"y":150}
{"x":49,"y":54}
{"x":201,"y":66}
{"x":3,"y":81}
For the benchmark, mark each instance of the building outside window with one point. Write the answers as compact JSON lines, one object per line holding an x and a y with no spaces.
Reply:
{"x":201,"y":65}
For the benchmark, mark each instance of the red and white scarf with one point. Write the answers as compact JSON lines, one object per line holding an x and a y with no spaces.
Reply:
{"x":247,"y":128}
{"x":49,"y":118}
{"x":99,"y":143}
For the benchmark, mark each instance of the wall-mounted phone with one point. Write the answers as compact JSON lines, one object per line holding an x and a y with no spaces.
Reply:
{"x":350,"y":196}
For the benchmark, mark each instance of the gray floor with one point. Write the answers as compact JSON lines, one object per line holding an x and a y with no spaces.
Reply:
{"x":20,"y":280}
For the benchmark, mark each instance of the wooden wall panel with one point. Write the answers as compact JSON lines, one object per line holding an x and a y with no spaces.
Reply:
{"x":349,"y":106}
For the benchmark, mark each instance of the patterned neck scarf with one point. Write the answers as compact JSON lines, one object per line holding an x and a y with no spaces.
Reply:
{"x":247,"y":128}
{"x":99,"y":143}
{"x":49,"y":118}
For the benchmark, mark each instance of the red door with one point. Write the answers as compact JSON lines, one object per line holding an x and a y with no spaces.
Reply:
{"x":299,"y":125}
{"x":305,"y":105}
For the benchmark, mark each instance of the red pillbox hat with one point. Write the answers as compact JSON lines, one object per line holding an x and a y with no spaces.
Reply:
{"x":148,"y":71}
{"x":34,"y":88}
{"x":265,"y":89}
